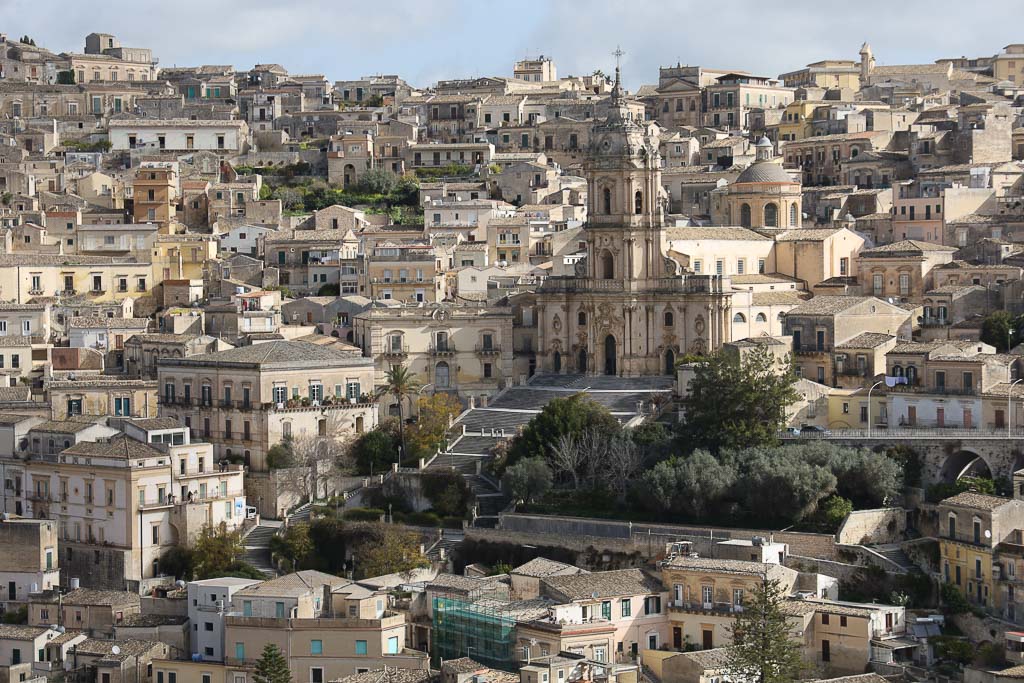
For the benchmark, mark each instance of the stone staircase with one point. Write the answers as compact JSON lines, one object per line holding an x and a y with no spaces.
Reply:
{"x":894,"y":553}
{"x":300,"y":514}
{"x":257,"y":545}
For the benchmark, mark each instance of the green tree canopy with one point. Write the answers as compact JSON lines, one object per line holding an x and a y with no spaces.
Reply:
{"x":217,"y":552}
{"x":528,"y":479}
{"x":1002,"y":330}
{"x":763,"y":650}
{"x":734,"y":403}
{"x":387,"y":549}
{"x":569,"y":416}
{"x":272,"y":666}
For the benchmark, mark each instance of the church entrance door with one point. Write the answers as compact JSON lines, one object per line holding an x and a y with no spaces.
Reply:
{"x":609,"y":355}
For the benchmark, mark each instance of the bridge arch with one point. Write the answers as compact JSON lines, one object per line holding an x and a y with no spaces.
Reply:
{"x":964,"y":462}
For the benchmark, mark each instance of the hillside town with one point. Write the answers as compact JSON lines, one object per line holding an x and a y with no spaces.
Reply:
{"x":520,"y":378}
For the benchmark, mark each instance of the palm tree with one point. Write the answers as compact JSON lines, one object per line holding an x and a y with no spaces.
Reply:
{"x":400,"y":383}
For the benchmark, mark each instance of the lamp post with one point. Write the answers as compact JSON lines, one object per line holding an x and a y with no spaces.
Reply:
{"x":869,"y":404}
{"x":1009,"y":407}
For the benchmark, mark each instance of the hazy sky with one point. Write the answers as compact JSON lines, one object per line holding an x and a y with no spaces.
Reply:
{"x":423,"y":40}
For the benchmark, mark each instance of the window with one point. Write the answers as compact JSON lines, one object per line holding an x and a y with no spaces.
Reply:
{"x":360,"y":647}
{"x":627,"y":607}
{"x":239,"y":651}
{"x":316,"y":674}
{"x":393,"y":645}
{"x":316,"y":647}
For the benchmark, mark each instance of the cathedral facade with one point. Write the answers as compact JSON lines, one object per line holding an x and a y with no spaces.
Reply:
{"x":629,"y":310}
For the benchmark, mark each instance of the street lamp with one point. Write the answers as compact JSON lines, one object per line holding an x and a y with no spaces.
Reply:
{"x":1009,"y":407}
{"x":869,"y":404}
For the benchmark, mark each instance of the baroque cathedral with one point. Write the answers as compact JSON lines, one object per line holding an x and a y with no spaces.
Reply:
{"x":630,"y":310}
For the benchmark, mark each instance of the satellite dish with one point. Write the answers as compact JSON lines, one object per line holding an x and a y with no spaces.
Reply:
{"x":594,"y":595}
{"x":115,"y":650}
{"x":988,"y":534}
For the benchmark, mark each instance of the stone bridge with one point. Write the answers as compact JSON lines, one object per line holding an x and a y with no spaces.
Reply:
{"x":947,"y":454}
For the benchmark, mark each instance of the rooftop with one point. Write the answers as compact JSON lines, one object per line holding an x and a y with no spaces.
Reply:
{"x":604,"y":584}
{"x":978,"y":501}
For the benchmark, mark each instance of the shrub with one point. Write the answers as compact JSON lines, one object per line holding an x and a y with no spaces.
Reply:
{"x":363,"y":514}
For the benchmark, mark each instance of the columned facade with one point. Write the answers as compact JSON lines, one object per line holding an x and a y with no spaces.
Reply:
{"x":628,"y":311}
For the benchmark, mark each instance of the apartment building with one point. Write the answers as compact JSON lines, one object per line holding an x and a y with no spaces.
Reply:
{"x":405,"y":272}
{"x":820,"y":324}
{"x":209,"y":601}
{"x":320,"y":639}
{"x":971,"y":527}
{"x":247,"y":399}
{"x":122,"y":499}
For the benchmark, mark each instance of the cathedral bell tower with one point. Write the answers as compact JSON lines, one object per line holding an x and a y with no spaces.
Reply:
{"x":626,"y":212}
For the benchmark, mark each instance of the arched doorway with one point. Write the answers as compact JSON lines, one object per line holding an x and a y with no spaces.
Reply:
{"x":607,"y":265}
{"x":609,"y":355}
{"x":581,"y":360}
{"x":557,"y":363}
{"x":350,"y":175}
{"x":670,"y":362}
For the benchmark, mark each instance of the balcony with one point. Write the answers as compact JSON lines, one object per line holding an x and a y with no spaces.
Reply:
{"x":691,"y":607}
{"x":487,"y":350}
{"x":441,"y":350}
{"x":935,"y":322}
{"x":811,"y":349}
{"x":395,"y":351}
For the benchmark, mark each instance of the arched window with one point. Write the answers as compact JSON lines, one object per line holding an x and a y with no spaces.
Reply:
{"x":442,"y":341}
{"x":745,"y":215}
{"x":607,"y":198}
{"x":897,"y":371}
{"x":638,"y":202}
{"x":761,"y":318}
{"x":581,"y":318}
{"x":911,"y":374}
{"x":854,"y":152}
{"x":607,"y":265}
{"x":670,"y":319}
{"x":794,"y":215}
{"x":739,"y":318}
{"x":441,"y":378}
{"x":771,"y":215}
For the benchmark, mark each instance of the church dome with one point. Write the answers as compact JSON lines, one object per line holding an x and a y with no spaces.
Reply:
{"x":764,"y":172}
{"x":764,"y":142}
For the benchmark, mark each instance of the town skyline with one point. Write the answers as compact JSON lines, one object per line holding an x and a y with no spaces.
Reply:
{"x":423,"y":49}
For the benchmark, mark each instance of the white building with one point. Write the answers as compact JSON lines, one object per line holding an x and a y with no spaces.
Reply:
{"x":208,"y":602}
{"x":245,"y":239}
{"x":179,"y":135}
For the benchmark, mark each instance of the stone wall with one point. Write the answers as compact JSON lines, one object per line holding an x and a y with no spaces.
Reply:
{"x":95,"y":566}
{"x":883,"y":525}
{"x":837,"y":570}
{"x":811,"y":545}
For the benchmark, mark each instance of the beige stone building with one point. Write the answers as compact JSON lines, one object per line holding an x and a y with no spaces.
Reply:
{"x":901,"y":270}
{"x":819,"y":325}
{"x":705,"y":593}
{"x":29,"y":559}
{"x":466,"y":350}
{"x":122,"y":499}
{"x":247,"y":399}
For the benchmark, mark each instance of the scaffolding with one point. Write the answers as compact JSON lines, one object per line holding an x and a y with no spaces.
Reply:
{"x":480,"y":625}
